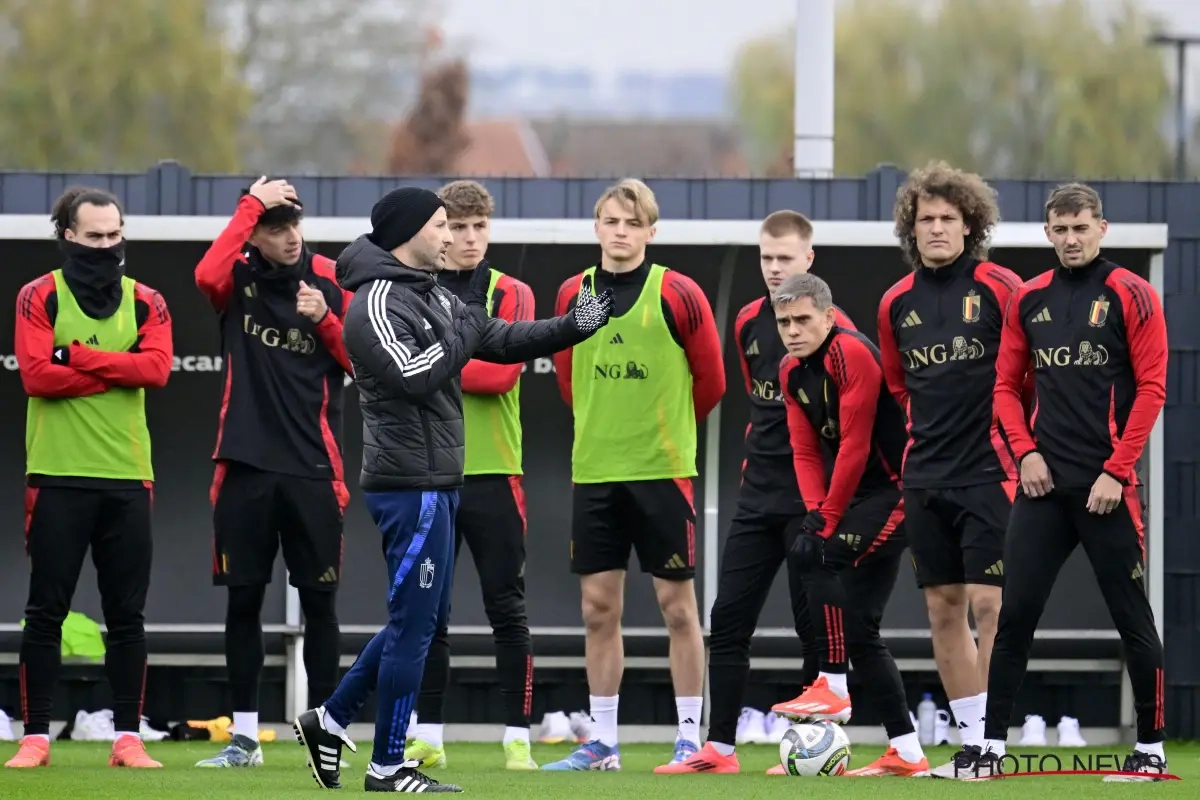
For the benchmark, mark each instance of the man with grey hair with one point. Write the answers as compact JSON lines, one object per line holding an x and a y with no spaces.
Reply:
{"x":848,"y":438}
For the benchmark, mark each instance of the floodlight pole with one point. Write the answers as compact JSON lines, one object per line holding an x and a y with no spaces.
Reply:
{"x":1180,"y":45}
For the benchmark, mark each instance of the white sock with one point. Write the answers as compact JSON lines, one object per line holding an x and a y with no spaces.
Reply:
{"x":966,"y":717}
{"x":604,"y":718}
{"x":723,"y":749}
{"x":119,"y":734}
{"x":837,"y":683}
{"x":245,"y":723}
{"x":689,"y":709}
{"x":1155,"y":749}
{"x":332,"y":724}
{"x":997,"y":746}
{"x":385,"y":772}
{"x":909,"y":747}
{"x":512,"y":734}
{"x":429,"y":732}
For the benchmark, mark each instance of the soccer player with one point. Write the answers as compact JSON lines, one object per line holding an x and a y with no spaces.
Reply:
{"x":491,"y":510}
{"x":848,"y":438}
{"x":408,"y":341}
{"x":768,"y":499}
{"x":1097,"y":340}
{"x":278,"y":480}
{"x":939,"y":332}
{"x":89,"y":341}
{"x":637,"y":391}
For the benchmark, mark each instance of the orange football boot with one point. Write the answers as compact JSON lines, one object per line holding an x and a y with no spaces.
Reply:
{"x":818,"y":702}
{"x":130,"y":751}
{"x":889,"y":764}
{"x":777,"y":770}
{"x":706,"y":760}
{"x":33,"y":752}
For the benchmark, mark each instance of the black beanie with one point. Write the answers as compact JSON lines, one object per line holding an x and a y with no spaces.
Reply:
{"x":400,"y":214}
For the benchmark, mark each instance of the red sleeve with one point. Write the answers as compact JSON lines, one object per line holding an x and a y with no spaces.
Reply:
{"x":34,"y":344}
{"x":1003,"y":282}
{"x":748,"y":312}
{"x":150,"y":366}
{"x":214,"y":273}
{"x":329,"y":329}
{"x":567,"y":295}
{"x":516,"y":305}
{"x":889,"y":351}
{"x":1146,"y":334}
{"x":859,"y":379}
{"x":701,"y":341}
{"x":806,"y":449}
{"x":1012,"y":369}
{"x":842,"y":320}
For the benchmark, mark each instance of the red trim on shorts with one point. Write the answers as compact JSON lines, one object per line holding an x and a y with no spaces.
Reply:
{"x":31,"y":495}
{"x":518,"y":493}
{"x":688,"y":492}
{"x":894,"y":520}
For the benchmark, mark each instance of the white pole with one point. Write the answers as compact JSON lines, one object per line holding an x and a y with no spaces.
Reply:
{"x":812,"y":148}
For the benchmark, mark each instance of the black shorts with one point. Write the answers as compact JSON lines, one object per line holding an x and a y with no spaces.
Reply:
{"x":656,"y":518}
{"x":872,"y":529}
{"x":956,"y":535}
{"x":254,"y":512}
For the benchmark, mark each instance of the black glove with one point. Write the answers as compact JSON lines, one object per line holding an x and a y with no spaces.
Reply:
{"x":61,"y":355}
{"x":808,"y":548}
{"x":477,"y":289}
{"x":591,"y":313}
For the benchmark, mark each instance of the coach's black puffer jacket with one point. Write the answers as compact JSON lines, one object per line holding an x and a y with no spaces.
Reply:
{"x":408,"y":340}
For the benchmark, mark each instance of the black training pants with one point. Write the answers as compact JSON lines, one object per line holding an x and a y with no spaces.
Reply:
{"x":61,"y":523}
{"x":754,"y":550}
{"x":1042,"y":533}
{"x":491,"y":522}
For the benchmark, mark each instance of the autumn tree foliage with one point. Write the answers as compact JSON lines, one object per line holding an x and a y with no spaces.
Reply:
{"x":429,"y":140}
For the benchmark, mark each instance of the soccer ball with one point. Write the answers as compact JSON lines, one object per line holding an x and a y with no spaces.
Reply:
{"x":810,"y":749}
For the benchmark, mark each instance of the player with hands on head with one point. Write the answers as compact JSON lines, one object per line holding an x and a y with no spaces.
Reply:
{"x":768,"y":502}
{"x":1096,"y":337}
{"x":848,"y":439}
{"x":89,"y":341}
{"x":409,"y":340}
{"x":279,"y":481}
{"x":939,"y":335}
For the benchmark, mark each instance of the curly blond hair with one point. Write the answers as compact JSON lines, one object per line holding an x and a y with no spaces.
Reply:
{"x":966,"y":191}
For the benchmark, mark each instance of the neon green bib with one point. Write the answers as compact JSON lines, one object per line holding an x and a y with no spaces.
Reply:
{"x":493,"y":424}
{"x":100,"y":436}
{"x":631,"y":392}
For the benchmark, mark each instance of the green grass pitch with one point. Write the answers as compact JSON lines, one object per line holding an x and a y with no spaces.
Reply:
{"x":79,"y":771}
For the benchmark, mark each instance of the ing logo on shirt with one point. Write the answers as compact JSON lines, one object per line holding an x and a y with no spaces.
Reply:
{"x":765,"y":390}
{"x":1089,"y":355}
{"x":293,"y":340}
{"x":960,"y":349}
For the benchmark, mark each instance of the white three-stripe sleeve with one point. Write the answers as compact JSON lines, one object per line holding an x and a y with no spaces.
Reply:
{"x":410,"y":363}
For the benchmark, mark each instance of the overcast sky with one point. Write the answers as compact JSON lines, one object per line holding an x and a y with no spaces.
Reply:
{"x":609,"y":36}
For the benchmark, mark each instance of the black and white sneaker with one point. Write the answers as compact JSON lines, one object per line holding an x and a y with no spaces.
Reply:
{"x":968,"y":764}
{"x":406,"y":779}
{"x":324,"y":748}
{"x":1150,"y":767}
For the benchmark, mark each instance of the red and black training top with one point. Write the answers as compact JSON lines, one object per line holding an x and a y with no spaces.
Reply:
{"x":88,"y":371}
{"x":768,"y":475}
{"x":1097,"y":340}
{"x":281,"y":405}
{"x":512,"y":301}
{"x":939,"y":333}
{"x":847,"y":430}
{"x":689,"y":318}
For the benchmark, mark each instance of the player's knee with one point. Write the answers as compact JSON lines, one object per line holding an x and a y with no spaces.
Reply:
{"x":319,"y":607}
{"x":947,"y":606}
{"x":678,"y":605}
{"x":601,"y":613}
{"x":985,"y":607}
{"x":245,"y":603}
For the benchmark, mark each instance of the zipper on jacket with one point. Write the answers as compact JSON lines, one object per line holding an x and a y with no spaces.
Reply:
{"x":425,"y":428}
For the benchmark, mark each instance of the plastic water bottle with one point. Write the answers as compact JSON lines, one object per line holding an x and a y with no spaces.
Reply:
{"x":926,"y":719}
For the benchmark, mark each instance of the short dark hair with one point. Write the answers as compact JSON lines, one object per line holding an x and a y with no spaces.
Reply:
{"x":782,"y":223}
{"x":65,"y":212}
{"x":467,"y":199}
{"x":282,"y":214}
{"x":1074,"y":198}
{"x":802,"y":285}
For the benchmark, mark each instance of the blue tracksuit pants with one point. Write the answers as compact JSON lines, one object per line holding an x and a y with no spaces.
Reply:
{"x":418,"y":544}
